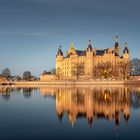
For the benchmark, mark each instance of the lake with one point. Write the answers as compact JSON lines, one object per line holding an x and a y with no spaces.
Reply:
{"x":85,"y":112}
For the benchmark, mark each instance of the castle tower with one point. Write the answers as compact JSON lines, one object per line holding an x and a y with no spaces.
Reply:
{"x":126,"y":53}
{"x":117,"y":46}
{"x":59,"y":59}
{"x":89,"y":61}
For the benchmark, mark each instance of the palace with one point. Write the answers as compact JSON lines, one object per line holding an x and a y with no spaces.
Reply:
{"x":89,"y":58}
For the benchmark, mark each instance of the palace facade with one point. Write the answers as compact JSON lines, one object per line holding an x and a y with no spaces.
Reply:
{"x":90,"y":57}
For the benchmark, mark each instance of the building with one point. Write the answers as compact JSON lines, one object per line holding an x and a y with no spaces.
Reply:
{"x":2,"y":78}
{"x":48,"y":76}
{"x":90,"y":57}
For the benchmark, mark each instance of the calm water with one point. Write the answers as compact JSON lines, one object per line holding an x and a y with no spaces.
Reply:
{"x":70,"y":113}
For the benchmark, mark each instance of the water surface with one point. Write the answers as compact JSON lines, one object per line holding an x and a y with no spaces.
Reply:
{"x":93,"y":112}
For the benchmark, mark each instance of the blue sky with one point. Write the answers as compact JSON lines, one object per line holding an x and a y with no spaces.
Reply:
{"x":32,"y":30}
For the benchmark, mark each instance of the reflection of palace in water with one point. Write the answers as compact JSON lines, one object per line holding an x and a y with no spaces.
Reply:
{"x":91,"y":103}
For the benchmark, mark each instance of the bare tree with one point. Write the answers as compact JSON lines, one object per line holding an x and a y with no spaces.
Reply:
{"x":27,"y":75}
{"x":44,"y":72}
{"x":6,"y":73}
{"x":135,"y":64}
{"x":95,"y":71}
{"x":125,"y":69}
{"x":103,"y":70}
{"x":53,"y":71}
{"x":78,"y":70}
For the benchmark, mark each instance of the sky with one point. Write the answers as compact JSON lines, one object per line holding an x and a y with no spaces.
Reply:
{"x":32,"y":30}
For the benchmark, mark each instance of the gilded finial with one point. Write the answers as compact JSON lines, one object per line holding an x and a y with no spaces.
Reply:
{"x":60,"y":46}
{"x":116,"y":36}
{"x":89,"y":41}
{"x":72,"y":45}
{"x":126,"y":44}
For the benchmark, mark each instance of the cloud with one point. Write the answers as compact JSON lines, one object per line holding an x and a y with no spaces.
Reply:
{"x":22,"y":34}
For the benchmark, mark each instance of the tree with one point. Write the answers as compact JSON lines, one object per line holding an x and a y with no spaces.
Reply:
{"x":78,"y":70}
{"x":27,"y":75}
{"x":135,"y":64}
{"x":53,"y":71}
{"x":103,"y":70}
{"x":6,"y":73}
{"x":44,"y":72}
{"x":59,"y":73}
{"x":125,"y":69}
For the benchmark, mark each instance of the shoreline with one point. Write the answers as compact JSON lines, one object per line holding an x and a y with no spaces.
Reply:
{"x":71,"y":83}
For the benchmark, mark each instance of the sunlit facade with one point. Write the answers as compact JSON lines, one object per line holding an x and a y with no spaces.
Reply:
{"x":89,"y":58}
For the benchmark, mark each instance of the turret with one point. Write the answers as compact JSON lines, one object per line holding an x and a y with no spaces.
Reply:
{"x":59,"y":52}
{"x":117,"y":46}
{"x":72,"y":50}
{"x":126,"y":52}
{"x":89,"y":48}
{"x":89,"y":61}
{"x":59,"y":60}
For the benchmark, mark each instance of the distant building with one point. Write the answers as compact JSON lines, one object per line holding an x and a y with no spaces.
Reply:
{"x":47,"y":76}
{"x":89,"y":58}
{"x":2,"y":78}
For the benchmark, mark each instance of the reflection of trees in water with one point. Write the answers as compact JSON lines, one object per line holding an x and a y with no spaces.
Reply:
{"x":18,"y":89}
{"x":27,"y":92}
{"x":5,"y":92}
{"x":135,"y":100}
{"x":6,"y":96}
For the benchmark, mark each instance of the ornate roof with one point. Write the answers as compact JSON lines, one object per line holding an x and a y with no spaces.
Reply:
{"x":78,"y":52}
{"x":126,"y":50}
{"x":89,"y":46}
{"x":116,"y":45}
{"x":100,"y":52}
{"x":59,"y":52}
{"x":81,"y":53}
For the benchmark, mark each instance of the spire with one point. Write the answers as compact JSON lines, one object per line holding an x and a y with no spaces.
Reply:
{"x":72,"y":45}
{"x":116,"y":37}
{"x":89,"y":46}
{"x":126,"y":44}
{"x":126,"y":50}
{"x":59,"y":52}
{"x":59,"y":46}
{"x":90,"y":42}
{"x":116,"y":41}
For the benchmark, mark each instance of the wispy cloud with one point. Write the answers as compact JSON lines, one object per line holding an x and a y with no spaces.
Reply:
{"x":22,"y":34}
